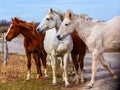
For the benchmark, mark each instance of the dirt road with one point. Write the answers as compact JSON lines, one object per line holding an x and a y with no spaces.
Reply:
{"x":104,"y":80}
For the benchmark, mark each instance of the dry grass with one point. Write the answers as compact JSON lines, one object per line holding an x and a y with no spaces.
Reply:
{"x":16,"y":68}
{"x":13,"y":76}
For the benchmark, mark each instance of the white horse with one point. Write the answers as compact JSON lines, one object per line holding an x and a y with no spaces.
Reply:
{"x":99,"y":37}
{"x":56,"y":48}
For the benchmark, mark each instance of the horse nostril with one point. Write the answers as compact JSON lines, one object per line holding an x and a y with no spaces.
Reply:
{"x":38,"y":30}
{"x":7,"y":38}
{"x":58,"y":36}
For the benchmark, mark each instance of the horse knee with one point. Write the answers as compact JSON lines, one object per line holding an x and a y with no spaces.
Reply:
{"x":105,"y":65}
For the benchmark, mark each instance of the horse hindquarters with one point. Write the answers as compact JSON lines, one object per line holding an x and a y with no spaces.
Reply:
{"x":98,"y":56}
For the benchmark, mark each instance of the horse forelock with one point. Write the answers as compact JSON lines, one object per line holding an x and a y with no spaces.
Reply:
{"x":51,"y":15}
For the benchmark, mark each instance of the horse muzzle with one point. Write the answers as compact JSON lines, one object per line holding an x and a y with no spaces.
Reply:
{"x":39,"y":30}
{"x":7,"y":38}
{"x":59,"y":37}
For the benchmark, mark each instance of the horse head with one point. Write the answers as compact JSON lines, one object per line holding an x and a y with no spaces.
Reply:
{"x":13,"y":30}
{"x":67,"y":26}
{"x":51,"y":20}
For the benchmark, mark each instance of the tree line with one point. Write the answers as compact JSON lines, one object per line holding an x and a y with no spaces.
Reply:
{"x":4,"y":23}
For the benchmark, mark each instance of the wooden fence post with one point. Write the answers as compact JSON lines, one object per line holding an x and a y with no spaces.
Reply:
{"x":5,"y":50}
{"x":2,"y":52}
{"x":4,"y":47}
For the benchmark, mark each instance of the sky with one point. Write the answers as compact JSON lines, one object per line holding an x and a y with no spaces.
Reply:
{"x":35,"y":10}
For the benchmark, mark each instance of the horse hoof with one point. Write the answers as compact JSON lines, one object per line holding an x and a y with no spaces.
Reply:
{"x":54,"y":84}
{"x":115,"y":77}
{"x":40,"y":78}
{"x":82,"y":82}
{"x":76,"y":83}
{"x":67,"y":85}
{"x":88,"y":87}
{"x":46,"y":78}
{"x":115,"y":80}
{"x":27,"y":79}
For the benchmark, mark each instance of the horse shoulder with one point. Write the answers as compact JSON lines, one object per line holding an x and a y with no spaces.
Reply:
{"x":68,"y":42}
{"x":49,"y":40}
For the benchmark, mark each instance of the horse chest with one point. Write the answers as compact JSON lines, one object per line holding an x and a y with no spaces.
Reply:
{"x":31,"y":47}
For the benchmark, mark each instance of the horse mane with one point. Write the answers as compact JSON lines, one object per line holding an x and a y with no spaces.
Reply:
{"x":61,"y":15}
{"x":30,"y":26}
{"x":81,"y":16}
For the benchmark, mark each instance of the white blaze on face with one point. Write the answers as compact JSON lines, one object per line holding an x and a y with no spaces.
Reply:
{"x":8,"y":30}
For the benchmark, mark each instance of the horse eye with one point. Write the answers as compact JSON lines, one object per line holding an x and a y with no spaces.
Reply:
{"x":48,"y":19}
{"x":67,"y":24}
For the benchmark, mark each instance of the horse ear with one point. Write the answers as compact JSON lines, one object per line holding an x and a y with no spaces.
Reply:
{"x":68,"y":14}
{"x":50,"y":11}
{"x":12,"y":19}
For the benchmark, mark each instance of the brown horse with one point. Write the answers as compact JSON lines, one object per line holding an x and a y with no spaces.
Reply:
{"x":33,"y":43}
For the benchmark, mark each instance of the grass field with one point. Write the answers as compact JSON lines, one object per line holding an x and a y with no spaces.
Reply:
{"x":13,"y":76}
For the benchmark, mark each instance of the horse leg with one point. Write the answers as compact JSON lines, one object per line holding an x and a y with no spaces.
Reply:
{"x":65,"y":60}
{"x":43,"y":58}
{"x":94,"y":67}
{"x":103,"y":62}
{"x":28,"y":64}
{"x":61,"y":66}
{"x":75,"y":62}
{"x":81,"y":58}
{"x":38,"y":65}
{"x":53,"y":63}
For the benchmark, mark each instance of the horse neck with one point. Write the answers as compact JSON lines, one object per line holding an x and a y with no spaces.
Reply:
{"x":83,"y":28}
{"x":28,"y":35}
{"x":58,"y":21}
